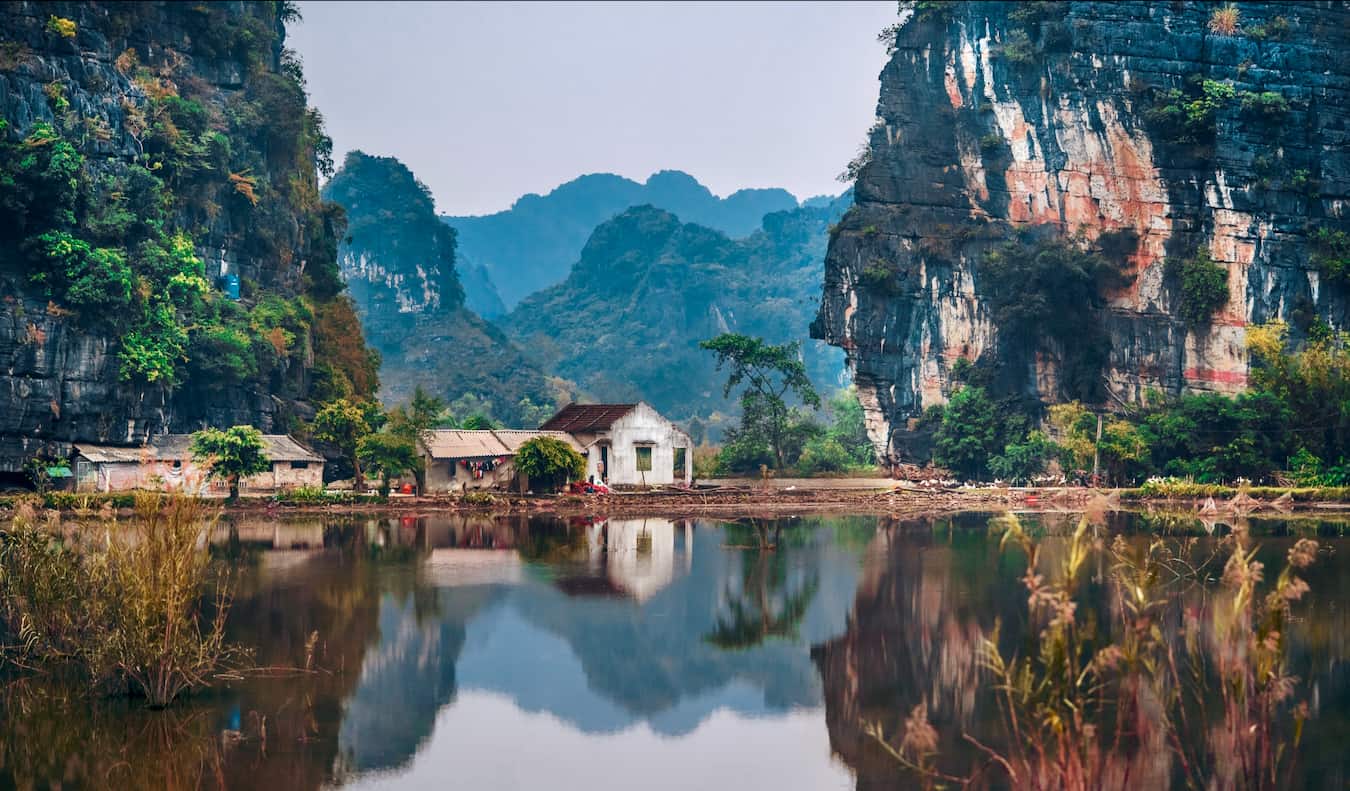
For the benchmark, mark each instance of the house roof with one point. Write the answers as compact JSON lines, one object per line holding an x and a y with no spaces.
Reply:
{"x":451,"y":443}
{"x":464,"y":444}
{"x":582,"y":418}
{"x":513,"y":438}
{"x":176,"y":447}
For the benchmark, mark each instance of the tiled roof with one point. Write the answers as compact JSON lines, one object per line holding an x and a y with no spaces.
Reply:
{"x":582,"y":418}
{"x":450,"y":443}
{"x":178,"y":447}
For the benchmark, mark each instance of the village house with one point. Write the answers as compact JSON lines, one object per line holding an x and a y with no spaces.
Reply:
{"x":167,"y":463}
{"x":462,"y":460}
{"x":627,"y":444}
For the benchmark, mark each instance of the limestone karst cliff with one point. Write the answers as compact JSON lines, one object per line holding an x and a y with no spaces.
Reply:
{"x":401,"y":266}
{"x":165,"y":259}
{"x":1145,"y":135}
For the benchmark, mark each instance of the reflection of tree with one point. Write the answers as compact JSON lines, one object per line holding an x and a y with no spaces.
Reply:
{"x":763,"y":606}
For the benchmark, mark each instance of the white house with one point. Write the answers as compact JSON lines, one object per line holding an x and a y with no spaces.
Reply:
{"x":627,"y":444}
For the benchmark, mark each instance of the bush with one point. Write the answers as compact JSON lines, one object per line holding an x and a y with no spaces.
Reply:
{"x":967,"y":436}
{"x":1224,"y":21}
{"x":1200,"y":286}
{"x":1268,"y":106}
{"x":549,"y":461}
{"x":128,"y":617}
{"x":1331,"y":254}
{"x":1188,"y":117}
{"x":823,"y":454}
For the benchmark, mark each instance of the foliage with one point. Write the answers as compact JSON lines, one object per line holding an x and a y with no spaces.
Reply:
{"x":411,"y":423}
{"x":549,"y":461}
{"x":343,"y":424}
{"x":1331,"y":254}
{"x":1310,"y":383}
{"x":1018,"y":48}
{"x":1020,"y":461}
{"x":388,"y":455}
{"x":1052,"y":293}
{"x":1188,"y":116}
{"x":967,"y":437}
{"x":1278,"y":28}
{"x":823,"y":454}
{"x":114,"y":239}
{"x":848,"y":427}
{"x":61,"y":27}
{"x":1200,"y":286}
{"x":1223,"y":21}
{"x":231,"y":454}
{"x":1213,"y":438}
{"x":128,"y":616}
{"x":1267,"y":106}
{"x":771,"y":373}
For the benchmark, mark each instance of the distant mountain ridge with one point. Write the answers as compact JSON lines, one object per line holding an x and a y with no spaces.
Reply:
{"x":648,"y":287}
{"x":532,"y":245}
{"x":400,"y":265}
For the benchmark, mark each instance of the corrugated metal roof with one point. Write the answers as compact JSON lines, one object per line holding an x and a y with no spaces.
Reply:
{"x":582,"y":418}
{"x":450,"y":443}
{"x":513,"y":438}
{"x":178,"y":447}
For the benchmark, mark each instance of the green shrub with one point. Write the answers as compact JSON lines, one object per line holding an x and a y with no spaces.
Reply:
{"x":549,"y":463}
{"x":1266,"y":106}
{"x":991,"y":142}
{"x":1018,"y":48}
{"x":823,"y":454}
{"x":1188,"y":117}
{"x":1331,"y":254}
{"x":1200,"y":286}
{"x":477,"y":498}
{"x":60,"y":26}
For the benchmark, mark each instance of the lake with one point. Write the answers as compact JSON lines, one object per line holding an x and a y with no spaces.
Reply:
{"x":513,"y":652}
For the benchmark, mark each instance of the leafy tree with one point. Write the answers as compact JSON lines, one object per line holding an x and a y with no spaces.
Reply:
{"x":1020,"y":461}
{"x":967,"y":437}
{"x":823,"y":454}
{"x":1200,"y":285}
{"x":387,"y":454}
{"x":231,"y":454}
{"x":343,"y":424}
{"x":1312,"y":382}
{"x":549,"y":460}
{"x":771,"y":373}
{"x":478,"y":423}
{"x":422,"y":414}
{"x":849,"y":427}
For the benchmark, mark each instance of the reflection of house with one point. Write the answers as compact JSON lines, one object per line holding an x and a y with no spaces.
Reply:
{"x":639,"y":556}
{"x":459,"y":460}
{"x":167,"y":463}
{"x":627,"y":444}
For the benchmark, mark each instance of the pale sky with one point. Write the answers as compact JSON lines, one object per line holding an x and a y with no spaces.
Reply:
{"x":488,"y":101}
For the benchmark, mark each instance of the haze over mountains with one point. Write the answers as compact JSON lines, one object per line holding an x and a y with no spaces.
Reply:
{"x":533,"y":244}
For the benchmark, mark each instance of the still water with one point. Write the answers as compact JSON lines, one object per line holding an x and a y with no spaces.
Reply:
{"x":479,"y":652}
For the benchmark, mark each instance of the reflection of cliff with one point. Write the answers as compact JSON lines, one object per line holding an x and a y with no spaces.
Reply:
{"x":914,"y":637}
{"x":622,"y":661}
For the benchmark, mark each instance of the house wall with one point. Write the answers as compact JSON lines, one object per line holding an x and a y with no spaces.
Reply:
{"x":444,"y":477}
{"x":126,"y":476}
{"x":642,"y":425}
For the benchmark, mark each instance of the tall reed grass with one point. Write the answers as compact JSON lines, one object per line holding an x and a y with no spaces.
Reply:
{"x":1185,"y":682}
{"x":137,"y":611}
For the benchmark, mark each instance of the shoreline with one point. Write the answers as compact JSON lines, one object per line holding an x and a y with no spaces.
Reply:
{"x":863,"y":497}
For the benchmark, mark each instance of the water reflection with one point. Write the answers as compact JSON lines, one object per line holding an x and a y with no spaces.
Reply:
{"x":536,"y":652}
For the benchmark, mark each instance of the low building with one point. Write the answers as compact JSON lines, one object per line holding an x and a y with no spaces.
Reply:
{"x":627,"y":444}
{"x":167,"y":463}
{"x":462,"y":460}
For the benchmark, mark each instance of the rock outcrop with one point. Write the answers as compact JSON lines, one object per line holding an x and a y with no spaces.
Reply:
{"x":1173,"y":129}
{"x":400,"y":264}
{"x":168,"y":124}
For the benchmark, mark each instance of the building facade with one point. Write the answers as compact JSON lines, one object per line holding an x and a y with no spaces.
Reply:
{"x":627,"y":444}
{"x":166,"y":463}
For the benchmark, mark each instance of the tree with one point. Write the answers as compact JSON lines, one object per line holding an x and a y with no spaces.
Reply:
{"x":387,"y":455}
{"x":343,"y":424}
{"x":772,"y":372}
{"x":849,"y":428}
{"x":412,"y":424}
{"x":1019,"y":461}
{"x":549,"y":459}
{"x":967,"y":436}
{"x":231,"y":454}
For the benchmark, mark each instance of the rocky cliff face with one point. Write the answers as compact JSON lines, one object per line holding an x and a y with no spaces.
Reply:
{"x":147,"y":150}
{"x":1146,"y":131}
{"x":400,"y":264}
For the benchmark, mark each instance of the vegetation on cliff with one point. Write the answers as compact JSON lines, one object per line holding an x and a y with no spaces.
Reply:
{"x":140,"y":168}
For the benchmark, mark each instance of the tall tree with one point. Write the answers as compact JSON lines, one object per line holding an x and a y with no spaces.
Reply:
{"x":231,"y":454}
{"x":343,"y":424}
{"x":412,"y":424}
{"x":770,"y":373}
{"x":387,"y":455}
